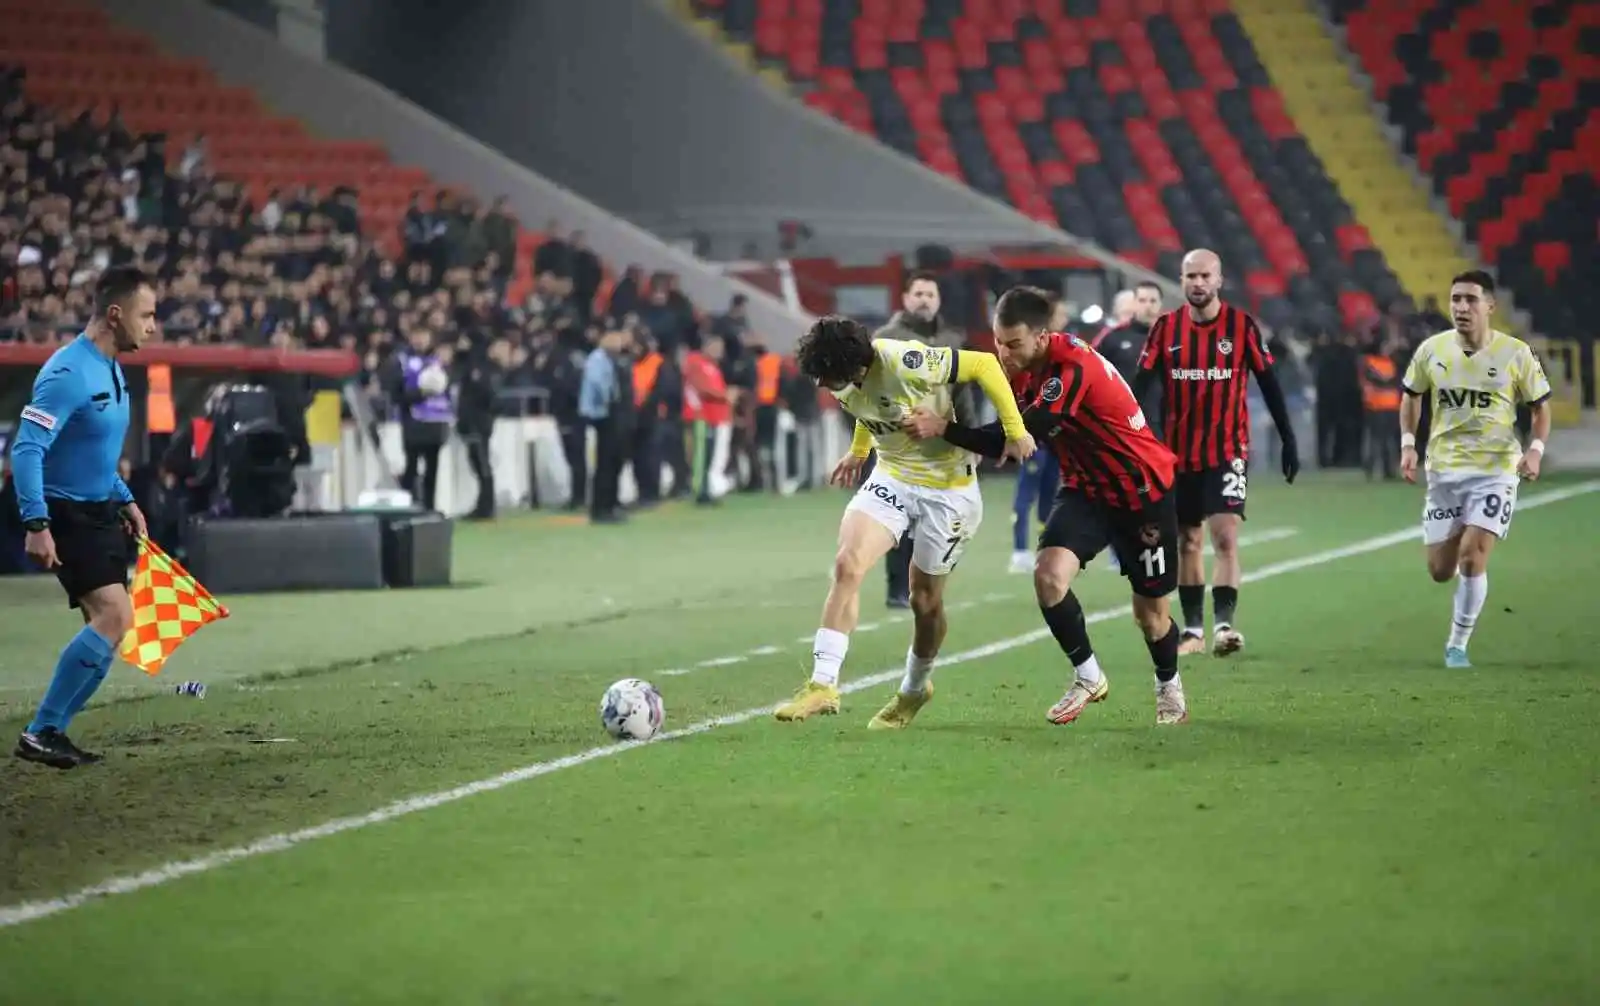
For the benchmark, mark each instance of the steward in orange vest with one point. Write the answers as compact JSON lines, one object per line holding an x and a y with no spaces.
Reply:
{"x":1380,"y":400}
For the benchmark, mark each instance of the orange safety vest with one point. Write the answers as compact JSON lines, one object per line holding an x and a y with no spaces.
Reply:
{"x":160,"y":416}
{"x":769,"y":370}
{"x":645,"y":372}
{"x":1380,"y":384}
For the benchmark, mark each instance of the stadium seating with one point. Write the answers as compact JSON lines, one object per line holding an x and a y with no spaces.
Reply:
{"x":1500,"y":104}
{"x":76,"y":58}
{"x":1146,"y":125}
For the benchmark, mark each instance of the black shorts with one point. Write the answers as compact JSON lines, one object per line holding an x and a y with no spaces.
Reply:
{"x":1211,"y":491}
{"x":1145,"y":541}
{"x":94,"y":548}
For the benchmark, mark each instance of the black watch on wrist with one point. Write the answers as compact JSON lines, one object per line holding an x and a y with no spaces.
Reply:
{"x":36,"y":525}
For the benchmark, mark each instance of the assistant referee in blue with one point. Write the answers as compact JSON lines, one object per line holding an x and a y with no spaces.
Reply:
{"x":80,"y":517}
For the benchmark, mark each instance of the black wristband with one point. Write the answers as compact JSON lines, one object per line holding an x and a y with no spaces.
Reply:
{"x":36,"y":525}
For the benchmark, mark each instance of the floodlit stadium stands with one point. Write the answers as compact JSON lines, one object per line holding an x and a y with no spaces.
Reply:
{"x":1148,"y":126}
{"x":1500,"y":104}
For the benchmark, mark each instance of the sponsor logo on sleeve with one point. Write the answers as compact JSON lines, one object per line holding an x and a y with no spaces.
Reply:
{"x":39,"y":417}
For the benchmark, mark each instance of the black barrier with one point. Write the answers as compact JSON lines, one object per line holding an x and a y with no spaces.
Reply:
{"x":323,"y":551}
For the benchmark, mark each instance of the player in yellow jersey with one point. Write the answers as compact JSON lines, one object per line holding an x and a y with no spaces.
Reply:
{"x":1475,"y":378}
{"x":927,"y":485}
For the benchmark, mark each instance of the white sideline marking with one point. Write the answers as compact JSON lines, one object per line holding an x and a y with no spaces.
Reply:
{"x":29,"y":911}
{"x":1256,"y":538}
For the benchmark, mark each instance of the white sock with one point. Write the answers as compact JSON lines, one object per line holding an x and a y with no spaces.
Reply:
{"x":1089,"y":671}
{"x":918,"y":671}
{"x":1471,"y":592}
{"x":827,"y":656}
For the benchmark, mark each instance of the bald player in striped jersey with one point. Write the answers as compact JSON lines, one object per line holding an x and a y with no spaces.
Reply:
{"x":1475,"y":378}
{"x":928,"y":486}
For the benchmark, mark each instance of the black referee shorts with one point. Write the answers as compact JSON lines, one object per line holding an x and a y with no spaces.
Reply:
{"x":94,"y":548}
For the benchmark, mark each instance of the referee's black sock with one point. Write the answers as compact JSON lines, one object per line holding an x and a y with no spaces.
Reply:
{"x":1224,"y":602}
{"x":1066,"y":622}
{"x":1192,"y":598}
{"x":1164,"y":653}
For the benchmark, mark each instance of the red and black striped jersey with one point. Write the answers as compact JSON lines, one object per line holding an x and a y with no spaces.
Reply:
{"x":1079,"y":407}
{"x":1205,"y":370}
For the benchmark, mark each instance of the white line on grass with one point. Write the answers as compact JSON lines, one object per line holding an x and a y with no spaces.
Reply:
{"x":1256,"y":538}
{"x":29,"y":911}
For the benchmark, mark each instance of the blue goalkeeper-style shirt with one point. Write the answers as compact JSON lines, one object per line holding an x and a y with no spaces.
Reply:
{"x":69,"y":442}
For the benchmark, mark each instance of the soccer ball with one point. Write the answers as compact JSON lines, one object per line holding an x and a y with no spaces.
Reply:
{"x":632,"y":710}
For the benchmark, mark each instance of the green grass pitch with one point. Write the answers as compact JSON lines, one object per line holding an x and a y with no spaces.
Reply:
{"x":1342,"y":820}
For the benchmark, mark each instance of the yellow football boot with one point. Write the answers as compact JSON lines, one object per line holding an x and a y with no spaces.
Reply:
{"x":901,"y":710}
{"x":812,"y":699}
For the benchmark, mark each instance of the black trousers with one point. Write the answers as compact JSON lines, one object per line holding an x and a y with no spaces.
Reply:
{"x":421,"y":477}
{"x":647,"y":460}
{"x":1383,"y":443}
{"x":573,"y":436}
{"x":672,"y":440}
{"x":478,"y":457}
{"x":610,"y":455}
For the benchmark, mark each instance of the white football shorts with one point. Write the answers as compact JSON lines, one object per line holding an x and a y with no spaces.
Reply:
{"x":942,"y":521}
{"x":1455,"y":501}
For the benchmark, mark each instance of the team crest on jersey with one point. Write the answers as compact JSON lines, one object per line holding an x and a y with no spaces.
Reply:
{"x":912,"y":359}
{"x":1225,"y":347}
{"x":1051,"y":390}
{"x":1238,"y":466}
{"x":1150,"y":535}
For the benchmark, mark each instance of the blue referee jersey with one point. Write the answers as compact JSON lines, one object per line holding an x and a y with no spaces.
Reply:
{"x":70,"y":439}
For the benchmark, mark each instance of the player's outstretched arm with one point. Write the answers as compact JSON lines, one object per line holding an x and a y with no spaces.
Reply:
{"x":984,"y":369}
{"x":990,"y":441}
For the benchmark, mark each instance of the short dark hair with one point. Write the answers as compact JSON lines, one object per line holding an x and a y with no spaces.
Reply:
{"x":1478,"y":276}
{"x":1147,"y":284}
{"x":918,"y":276}
{"x":1024,"y":305}
{"x":116,"y":285}
{"x":836,"y":350}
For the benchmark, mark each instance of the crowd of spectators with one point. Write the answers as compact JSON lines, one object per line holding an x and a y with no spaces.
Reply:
{"x":296,"y":270}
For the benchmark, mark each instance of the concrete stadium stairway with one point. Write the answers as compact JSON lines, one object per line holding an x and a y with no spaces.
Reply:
{"x":1307,"y":66}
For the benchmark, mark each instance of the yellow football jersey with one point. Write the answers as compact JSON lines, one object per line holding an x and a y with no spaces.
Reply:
{"x":906,"y":375}
{"x":1475,"y":399}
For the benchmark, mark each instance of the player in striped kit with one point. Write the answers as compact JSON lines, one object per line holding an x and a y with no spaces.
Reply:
{"x":1202,"y":356}
{"x":1116,"y":492}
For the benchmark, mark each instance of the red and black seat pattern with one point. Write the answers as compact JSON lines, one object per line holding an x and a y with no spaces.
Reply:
{"x":1499,"y":101}
{"x":1148,"y":126}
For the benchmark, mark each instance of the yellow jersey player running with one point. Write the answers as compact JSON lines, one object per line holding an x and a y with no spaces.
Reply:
{"x":1475,"y":377}
{"x":928,"y":486}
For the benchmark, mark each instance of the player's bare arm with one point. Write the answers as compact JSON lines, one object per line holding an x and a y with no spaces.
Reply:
{"x":847,"y":472}
{"x":1410,"y":415}
{"x":1533,"y":457}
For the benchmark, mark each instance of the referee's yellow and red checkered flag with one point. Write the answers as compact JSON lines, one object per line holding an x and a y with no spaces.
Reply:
{"x":169,"y":606}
